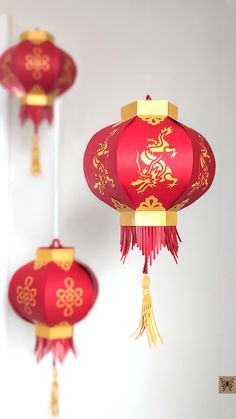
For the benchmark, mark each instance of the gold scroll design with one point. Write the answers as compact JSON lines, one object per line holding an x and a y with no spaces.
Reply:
{"x":102,"y":177}
{"x":66,"y":266}
{"x":152,"y":119}
{"x":203,"y":172}
{"x":66,"y":77}
{"x":179,"y":206}
{"x":37,"y":62}
{"x":37,"y":90}
{"x":150,"y":204}
{"x":8,"y":74}
{"x":152,"y":169}
{"x":26,"y":295}
{"x":119,"y":206}
{"x":7,"y":71}
{"x":69,"y":297}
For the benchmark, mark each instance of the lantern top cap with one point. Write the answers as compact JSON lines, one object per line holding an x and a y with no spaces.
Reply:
{"x":36,"y":36}
{"x":55,"y":253}
{"x":149,"y":108}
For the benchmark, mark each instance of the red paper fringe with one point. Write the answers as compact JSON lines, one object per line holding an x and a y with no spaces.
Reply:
{"x":58,"y":347}
{"x":149,"y":240}
{"x":36,"y":114}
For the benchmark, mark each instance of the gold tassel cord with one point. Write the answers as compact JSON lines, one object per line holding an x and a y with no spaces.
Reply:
{"x":54,"y":394}
{"x":148,"y":322}
{"x":35,"y":157}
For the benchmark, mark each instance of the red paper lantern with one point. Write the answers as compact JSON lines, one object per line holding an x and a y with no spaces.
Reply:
{"x":148,"y":167}
{"x":36,"y":71}
{"x":53,"y":292}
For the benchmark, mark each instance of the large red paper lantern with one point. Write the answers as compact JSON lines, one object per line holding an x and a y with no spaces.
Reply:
{"x":148,"y":167}
{"x":54,"y":292}
{"x":36,"y":71}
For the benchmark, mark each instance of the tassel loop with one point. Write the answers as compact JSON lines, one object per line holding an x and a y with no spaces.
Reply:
{"x":35,"y":156}
{"x":148,"y":322}
{"x":55,"y":394}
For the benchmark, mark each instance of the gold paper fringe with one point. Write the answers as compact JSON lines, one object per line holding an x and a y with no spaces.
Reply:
{"x":35,"y":158}
{"x":54,"y":394}
{"x":148,"y":322}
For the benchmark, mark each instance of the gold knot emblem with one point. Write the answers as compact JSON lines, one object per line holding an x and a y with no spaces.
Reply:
{"x":26,"y":295}
{"x":69,"y":297}
{"x":37,"y":62}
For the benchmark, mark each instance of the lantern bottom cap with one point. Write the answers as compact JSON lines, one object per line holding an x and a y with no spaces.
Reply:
{"x":60,"y":331}
{"x":148,"y":218}
{"x":37,"y":99}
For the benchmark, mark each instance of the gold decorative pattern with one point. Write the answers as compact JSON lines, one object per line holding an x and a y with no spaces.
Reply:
{"x":37,"y":90}
{"x":203,"y":173}
{"x":69,"y":298}
{"x":152,"y":119}
{"x":61,"y":264}
{"x":37,"y":62}
{"x":7,"y":71}
{"x":63,"y":257}
{"x":150,"y":204}
{"x":66,"y":77}
{"x":102,"y":177}
{"x":38,"y":264}
{"x":180,"y":205}
{"x":26,"y":295}
{"x":120,"y":207}
{"x":65,"y":265}
{"x":152,"y":169}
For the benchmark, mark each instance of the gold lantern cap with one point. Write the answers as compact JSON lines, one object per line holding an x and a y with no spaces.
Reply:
{"x":61,"y":256}
{"x":148,"y":108}
{"x":60,"y":331}
{"x":37,"y":36}
{"x":149,"y":213}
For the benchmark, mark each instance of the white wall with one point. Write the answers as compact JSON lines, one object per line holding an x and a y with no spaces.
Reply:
{"x":184,"y":51}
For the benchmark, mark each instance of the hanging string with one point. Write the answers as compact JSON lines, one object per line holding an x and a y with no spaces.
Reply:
{"x":56,"y":169}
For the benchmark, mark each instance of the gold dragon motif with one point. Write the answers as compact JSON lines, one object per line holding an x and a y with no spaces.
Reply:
{"x":152,"y":169}
{"x":102,"y":177}
{"x":203,"y":173}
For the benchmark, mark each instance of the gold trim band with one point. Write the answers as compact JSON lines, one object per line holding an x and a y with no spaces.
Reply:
{"x":36,"y":36}
{"x":37,"y":100}
{"x":148,"y":218}
{"x":149,"y":108}
{"x":61,"y":331}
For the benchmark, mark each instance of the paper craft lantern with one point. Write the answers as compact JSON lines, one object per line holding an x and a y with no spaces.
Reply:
{"x":148,"y":167}
{"x":36,"y":71}
{"x":54,"y":292}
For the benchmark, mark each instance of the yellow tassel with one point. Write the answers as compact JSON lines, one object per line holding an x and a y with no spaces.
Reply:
{"x":148,"y":322}
{"x":54,"y":394}
{"x":35,"y":158}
